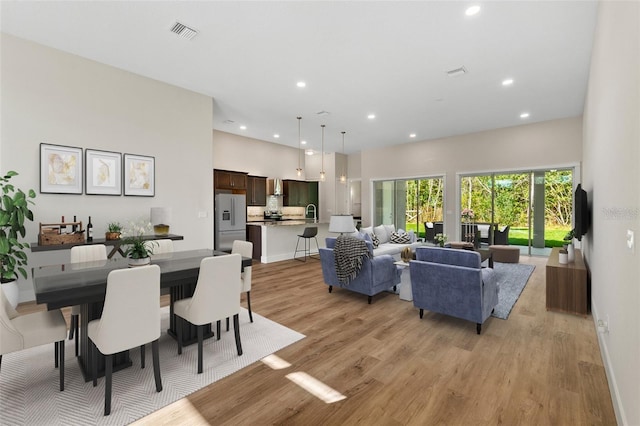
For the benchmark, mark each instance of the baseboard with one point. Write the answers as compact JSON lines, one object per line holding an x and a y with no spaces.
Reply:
{"x":621,"y":418}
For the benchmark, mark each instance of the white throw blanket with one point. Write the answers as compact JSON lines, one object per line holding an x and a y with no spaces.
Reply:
{"x":348,"y":254}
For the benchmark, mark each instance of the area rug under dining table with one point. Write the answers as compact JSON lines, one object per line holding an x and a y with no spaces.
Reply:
{"x":29,"y":393}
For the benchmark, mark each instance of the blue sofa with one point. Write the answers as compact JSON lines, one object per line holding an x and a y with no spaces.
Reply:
{"x":452,"y":282}
{"x":378,"y":274}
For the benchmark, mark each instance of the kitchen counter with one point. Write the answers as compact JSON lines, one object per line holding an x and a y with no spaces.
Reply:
{"x":279,"y":238}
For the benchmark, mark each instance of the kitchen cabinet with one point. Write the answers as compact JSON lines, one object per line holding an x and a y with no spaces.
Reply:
{"x":300,"y":193}
{"x":256,"y":191}
{"x":224,"y":179}
{"x":254,"y":234}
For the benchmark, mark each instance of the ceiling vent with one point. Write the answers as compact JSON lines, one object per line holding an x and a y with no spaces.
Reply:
{"x":323,"y":113}
{"x":184,"y":31}
{"x":457,"y":72}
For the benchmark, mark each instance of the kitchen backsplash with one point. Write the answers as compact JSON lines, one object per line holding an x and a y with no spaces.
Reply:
{"x":256,"y":213}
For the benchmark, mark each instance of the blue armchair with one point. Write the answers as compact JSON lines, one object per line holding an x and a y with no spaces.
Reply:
{"x":452,"y":282}
{"x":377,"y":274}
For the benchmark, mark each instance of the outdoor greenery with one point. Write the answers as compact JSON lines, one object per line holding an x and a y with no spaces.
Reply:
{"x":511,"y":198}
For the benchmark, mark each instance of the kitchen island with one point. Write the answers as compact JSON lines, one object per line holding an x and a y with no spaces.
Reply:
{"x":278,"y":238}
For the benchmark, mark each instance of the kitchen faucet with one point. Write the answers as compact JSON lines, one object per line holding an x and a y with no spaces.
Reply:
{"x":315,"y":214}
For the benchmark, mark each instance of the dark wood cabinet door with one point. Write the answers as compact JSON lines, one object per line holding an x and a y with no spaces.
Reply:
{"x":256,"y":191}
{"x":230,"y":180}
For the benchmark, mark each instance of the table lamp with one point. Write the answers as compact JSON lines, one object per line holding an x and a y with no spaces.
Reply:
{"x":342,"y":223}
{"x":160,"y":219}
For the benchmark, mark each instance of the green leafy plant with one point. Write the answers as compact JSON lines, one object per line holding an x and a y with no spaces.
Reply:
{"x":137,"y":246}
{"x":114,"y":227}
{"x":440,"y":239}
{"x":14,"y":210}
{"x":570,"y":235}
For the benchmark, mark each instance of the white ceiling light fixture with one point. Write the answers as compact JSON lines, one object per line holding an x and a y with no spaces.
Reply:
{"x":524,"y":115}
{"x":243,"y":127}
{"x":301,"y":84}
{"x":275,"y":135}
{"x":473,"y":10}
{"x":412,"y":135}
{"x":303,"y":142}
{"x":507,"y":82}
{"x":184,"y":31}
{"x":343,"y":176}
{"x":309,"y":152}
{"x":322,"y":175}
{"x":299,"y":169}
{"x":371,"y":116}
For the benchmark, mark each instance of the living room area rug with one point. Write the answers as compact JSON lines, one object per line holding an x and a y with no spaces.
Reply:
{"x":29,"y":383}
{"x":512,"y":278}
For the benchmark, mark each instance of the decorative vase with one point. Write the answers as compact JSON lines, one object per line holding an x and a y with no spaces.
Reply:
{"x":406,"y":255}
{"x":112,"y":235}
{"x":571,"y":254}
{"x":140,"y":261}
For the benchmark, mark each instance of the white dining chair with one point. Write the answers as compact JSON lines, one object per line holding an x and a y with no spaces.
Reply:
{"x":18,"y":332}
{"x":81,"y":254}
{"x":130,"y":318}
{"x":217,"y":296}
{"x":244,"y":249}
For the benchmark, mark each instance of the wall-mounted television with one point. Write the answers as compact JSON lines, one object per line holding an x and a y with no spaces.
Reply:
{"x":580,"y":212}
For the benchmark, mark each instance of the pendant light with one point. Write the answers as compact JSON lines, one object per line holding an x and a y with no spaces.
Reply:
{"x":299,"y":169}
{"x":343,"y":176}
{"x":322,"y":177}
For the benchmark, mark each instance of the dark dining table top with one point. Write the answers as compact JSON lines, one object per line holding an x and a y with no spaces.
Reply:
{"x":77,"y":283}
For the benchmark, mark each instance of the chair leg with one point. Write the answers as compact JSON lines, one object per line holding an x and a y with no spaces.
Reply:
{"x":156,"y":364}
{"x":142,"y":356}
{"x":227,"y":323}
{"x":249,"y":306}
{"x":0,"y":360}
{"x":330,"y":288}
{"x":61,"y":344}
{"x":369,"y":299}
{"x":56,"y":352}
{"x":236,"y":329}
{"x":200,"y":339}
{"x":108,"y":371}
{"x":72,"y":326}
{"x":218,"y":330}
{"x":478,"y":327}
{"x":421,"y":313}
{"x":296,"y":251}
{"x":179,"y":333}
{"x":94,"y":365}
{"x":77,"y":338}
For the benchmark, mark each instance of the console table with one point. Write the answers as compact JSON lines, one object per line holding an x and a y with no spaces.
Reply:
{"x":567,"y":285}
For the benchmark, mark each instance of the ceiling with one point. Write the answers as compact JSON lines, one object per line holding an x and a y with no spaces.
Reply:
{"x":388,"y":58}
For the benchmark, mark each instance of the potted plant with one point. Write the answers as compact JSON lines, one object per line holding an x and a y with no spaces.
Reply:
{"x":138,"y":249}
{"x":114,"y":229}
{"x":568,"y":245}
{"x":14,"y":210}
{"x":440,"y":239}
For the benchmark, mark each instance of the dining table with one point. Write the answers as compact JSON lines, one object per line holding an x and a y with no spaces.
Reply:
{"x":85,"y":284}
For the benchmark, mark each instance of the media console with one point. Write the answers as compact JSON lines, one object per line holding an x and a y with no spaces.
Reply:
{"x":567,"y":285}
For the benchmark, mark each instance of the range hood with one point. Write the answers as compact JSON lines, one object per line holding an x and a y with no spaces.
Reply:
{"x":275,"y":187}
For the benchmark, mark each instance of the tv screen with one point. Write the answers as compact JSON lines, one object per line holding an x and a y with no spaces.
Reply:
{"x":581,"y":212}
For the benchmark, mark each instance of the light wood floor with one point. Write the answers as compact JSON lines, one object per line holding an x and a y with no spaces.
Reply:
{"x":536,"y":368}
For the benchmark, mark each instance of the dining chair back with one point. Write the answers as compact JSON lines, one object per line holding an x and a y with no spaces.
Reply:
{"x":244,"y":249}
{"x":83,"y":254}
{"x":130,"y":318}
{"x":19,"y":332}
{"x":217,"y":296}
{"x":163,"y":246}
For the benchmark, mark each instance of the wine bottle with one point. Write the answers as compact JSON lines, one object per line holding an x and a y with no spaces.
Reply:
{"x":63,"y":227}
{"x":74,"y":228}
{"x":89,"y":230}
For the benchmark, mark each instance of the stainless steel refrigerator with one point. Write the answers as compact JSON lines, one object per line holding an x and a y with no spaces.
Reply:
{"x":231,"y":220}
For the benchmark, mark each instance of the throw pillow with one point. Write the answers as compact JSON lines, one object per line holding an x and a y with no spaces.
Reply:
{"x":375,"y":240}
{"x":367,"y":230}
{"x":381,"y":233}
{"x":390,"y":230}
{"x":400,"y":238}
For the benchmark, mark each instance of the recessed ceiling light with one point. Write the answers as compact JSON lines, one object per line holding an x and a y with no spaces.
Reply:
{"x":371,"y":116}
{"x":412,"y":135}
{"x":507,"y":82}
{"x":276,"y":135}
{"x":243,"y":127}
{"x":301,"y":84}
{"x":309,"y":152}
{"x":524,"y":115}
{"x":303,"y":142}
{"x":473,"y":10}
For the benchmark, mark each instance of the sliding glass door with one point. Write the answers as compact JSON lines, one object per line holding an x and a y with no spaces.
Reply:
{"x":535,"y":205}
{"x":408,"y":203}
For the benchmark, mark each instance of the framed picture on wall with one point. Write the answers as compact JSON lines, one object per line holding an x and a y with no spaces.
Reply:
{"x":139,"y":175}
{"x":60,"y":169}
{"x":103,"y":172}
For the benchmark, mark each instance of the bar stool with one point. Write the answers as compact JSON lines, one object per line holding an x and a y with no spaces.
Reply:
{"x":309,"y":232}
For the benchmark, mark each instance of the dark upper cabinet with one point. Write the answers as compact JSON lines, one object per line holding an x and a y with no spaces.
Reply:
{"x":300,"y":193}
{"x":256,"y":191}
{"x":230,"y":180}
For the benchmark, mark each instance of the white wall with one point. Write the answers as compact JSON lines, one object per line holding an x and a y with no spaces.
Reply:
{"x":548,"y":144}
{"x":58,"y":98}
{"x":612,"y":181}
